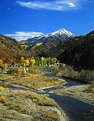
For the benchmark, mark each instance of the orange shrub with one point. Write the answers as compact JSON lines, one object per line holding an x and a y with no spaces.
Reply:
{"x":1,"y":62}
{"x":19,"y":72}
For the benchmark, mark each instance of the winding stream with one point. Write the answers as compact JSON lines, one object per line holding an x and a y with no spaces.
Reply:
{"x":75,"y":109}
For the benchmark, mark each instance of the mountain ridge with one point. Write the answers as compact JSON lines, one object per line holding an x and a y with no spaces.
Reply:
{"x":10,"y":50}
{"x":61,"y":34}
{"x":77,"y":51}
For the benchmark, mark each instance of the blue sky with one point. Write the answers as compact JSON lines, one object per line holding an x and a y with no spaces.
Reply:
{"x":25,"y":16}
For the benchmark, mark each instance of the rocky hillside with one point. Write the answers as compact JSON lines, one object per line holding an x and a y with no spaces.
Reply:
{"x":10,"y":50}
{"x":46,"y":49}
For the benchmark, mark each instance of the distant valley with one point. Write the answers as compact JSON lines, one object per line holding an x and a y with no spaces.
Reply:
{"x":77,"y":51}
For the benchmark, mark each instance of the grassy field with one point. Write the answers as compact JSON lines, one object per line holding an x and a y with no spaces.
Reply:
{"x":36,"y":106}
{"x":33,"y":79}
{"x":21,"y":104}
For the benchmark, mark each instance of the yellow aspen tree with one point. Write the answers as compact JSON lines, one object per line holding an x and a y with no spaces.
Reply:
{"x":32,"y":61}
{"x":43,"y":60}
{"x":27,"y":63}
{"x":22,"y":59}
{"x":1,"y":65}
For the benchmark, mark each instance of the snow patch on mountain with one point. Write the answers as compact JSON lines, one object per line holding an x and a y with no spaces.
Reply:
{"x":24,"y":35}
{"x":61,"y":34}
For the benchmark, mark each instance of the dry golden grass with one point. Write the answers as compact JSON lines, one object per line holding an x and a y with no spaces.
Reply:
{"x":37,"y":81}
{"x":24,"y":101}
{"x":44,"y":101}
{"x":4,"y":78}
{"x":16,"y":107}
{"x":16,"y":100}
{"x":38,"y":98}
{"x":49,"y":114}
{"x":60,"y":91}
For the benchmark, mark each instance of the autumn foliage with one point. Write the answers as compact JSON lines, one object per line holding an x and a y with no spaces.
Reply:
{"x":19,"y":72}
{"x":32,"y":61}
{"x":1,"y":62}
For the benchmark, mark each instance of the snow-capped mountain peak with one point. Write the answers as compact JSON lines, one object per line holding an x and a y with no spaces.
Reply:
{"x":38,"y":37}
{"x":62,"y":32}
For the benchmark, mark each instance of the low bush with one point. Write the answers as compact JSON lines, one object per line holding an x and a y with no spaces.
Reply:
{"x":2,"y":88}
{"x":90,"y":89}
{"x":4,"y":99}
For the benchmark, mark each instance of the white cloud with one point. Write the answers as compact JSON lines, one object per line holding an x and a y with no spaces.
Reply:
{"x":24,"y":35}
{"x":59,"y":5}
{"x":72,"y":5}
